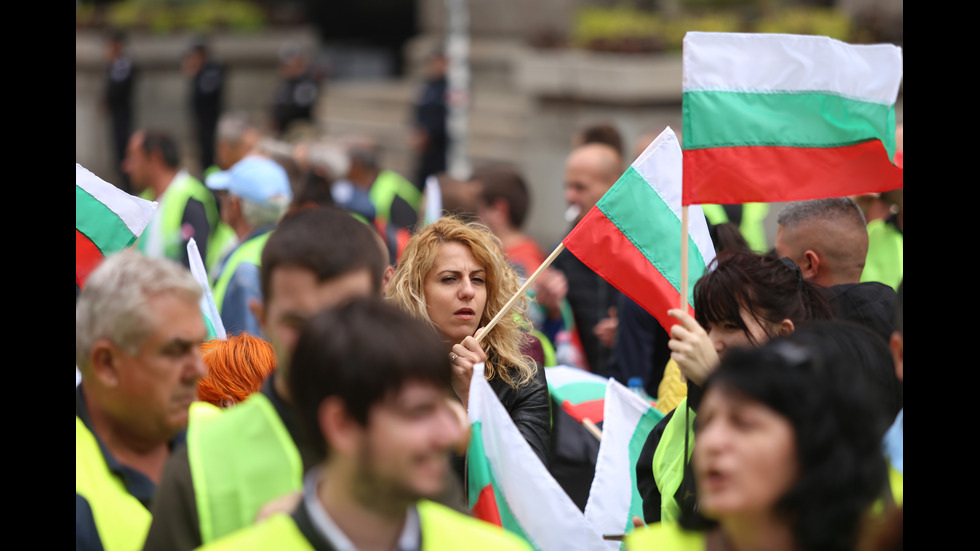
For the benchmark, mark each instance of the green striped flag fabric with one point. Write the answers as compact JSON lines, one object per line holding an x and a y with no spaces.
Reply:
{"x":613,"y":498}
{"x":781,"y":117}
{"x":107,"y":220}
{"x":632,"y":236}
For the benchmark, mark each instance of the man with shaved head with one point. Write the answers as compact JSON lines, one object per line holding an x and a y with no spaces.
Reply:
{"x":590,"y":170}
{"x":828,"y":240}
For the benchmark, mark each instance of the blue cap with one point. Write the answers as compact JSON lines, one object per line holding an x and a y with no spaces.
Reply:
{"x":257,"y":179}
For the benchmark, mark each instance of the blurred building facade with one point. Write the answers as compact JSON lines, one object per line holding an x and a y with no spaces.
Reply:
{"x":525,"y":100}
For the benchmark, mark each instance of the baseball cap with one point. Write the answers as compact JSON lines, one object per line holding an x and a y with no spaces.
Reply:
{"x":257,"y":179}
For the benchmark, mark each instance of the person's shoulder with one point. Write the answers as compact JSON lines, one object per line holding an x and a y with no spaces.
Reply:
{"x":445,"y":524}
{"x":205,"y":422}
{"x":279,"y":531}
{"x":665,"y":535}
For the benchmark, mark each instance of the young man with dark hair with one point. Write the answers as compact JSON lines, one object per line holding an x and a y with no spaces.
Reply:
{"x":371,"y":386}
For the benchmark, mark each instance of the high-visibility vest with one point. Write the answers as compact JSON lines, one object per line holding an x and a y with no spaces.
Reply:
{"x":664,"y":536}
{"x":221,"y":242}
{"x":669,"y":461}
{"x":386,"y":187}
{"x":122,"y":521}
{"x":750,"y":226}
{"x":550,"y":360}
{"x":162,"y":236}
{"x":896,"y":482}
{"x":886,"y":246}
{"x":249,"y":252}
{"x":240,"y":460}
{"x":443,"y":529}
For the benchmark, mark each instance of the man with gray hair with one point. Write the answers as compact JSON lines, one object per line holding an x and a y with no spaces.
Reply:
{"x":255,"y":194}
{"x":828,"y":240}
{"x":138,"y":331}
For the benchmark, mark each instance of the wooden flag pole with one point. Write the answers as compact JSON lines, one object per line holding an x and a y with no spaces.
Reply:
{"x":592,"y":428}
{"x":684,"y":240}
{"x":520,"y":292}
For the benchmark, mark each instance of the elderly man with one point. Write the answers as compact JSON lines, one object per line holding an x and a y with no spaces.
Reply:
{"x":590,"y":171}
{"x":138,"y":329}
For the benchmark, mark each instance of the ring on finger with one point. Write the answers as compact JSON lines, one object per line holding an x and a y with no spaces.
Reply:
{"x":453,"y":358}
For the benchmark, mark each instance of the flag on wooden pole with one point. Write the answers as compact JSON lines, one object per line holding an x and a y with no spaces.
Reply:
{"x":632,"y":237}
{"x":781,"y":117}
{"x":107,"y":220}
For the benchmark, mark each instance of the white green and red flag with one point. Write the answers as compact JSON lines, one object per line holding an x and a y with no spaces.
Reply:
{"x":613,"y":498}
{"x":107,"y":220}
{"x":632,"y":236}
{"x":781,"y":117}
{"x":508,"y":485}
{"x":580,"y":393}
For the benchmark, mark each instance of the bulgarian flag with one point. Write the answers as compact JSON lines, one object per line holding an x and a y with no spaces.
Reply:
{"x":632,"y":237}
{"x":508,"y":485}
{"x":780,"y":117}
{"x":107,"y":220}
{"x":581,"y":394}
{"x":613,"y":498}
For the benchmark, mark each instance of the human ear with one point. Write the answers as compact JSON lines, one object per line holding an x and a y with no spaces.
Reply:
{"x":340,"y":431}
{"x":104,"y":366}
{"x":257,"y":307}
{"x":786,"y":328}
{"x":897,"y":345}
{"x":810,"y":264}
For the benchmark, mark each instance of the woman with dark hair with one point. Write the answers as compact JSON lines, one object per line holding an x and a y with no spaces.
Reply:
{"x":788,"y":451}
{"x":453,"y":275}
{"x":744,"y":301}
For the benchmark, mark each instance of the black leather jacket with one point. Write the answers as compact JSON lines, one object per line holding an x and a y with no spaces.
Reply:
{"x":530,"y":409}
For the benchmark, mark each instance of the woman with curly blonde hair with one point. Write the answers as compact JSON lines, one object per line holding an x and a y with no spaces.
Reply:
{"x":453,"y":274}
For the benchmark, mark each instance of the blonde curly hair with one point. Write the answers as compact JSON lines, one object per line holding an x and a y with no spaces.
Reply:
{"x":503,"y":343}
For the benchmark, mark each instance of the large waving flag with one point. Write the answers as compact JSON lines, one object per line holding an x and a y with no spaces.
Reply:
{"x":780,"y":117}
{"x":632,"y":236}
{"x":107,"y":220}
{"x":613,"y":498}
{"x":510,"y":487}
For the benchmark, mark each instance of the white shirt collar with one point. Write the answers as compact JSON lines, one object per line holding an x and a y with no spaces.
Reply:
{"x":408,"y":540}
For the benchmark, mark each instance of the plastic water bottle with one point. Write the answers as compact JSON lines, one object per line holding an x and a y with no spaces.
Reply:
{"x":635,"y":384}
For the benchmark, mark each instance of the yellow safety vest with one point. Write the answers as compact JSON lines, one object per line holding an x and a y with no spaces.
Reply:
{"x":669,"y":462}
{"x":240,"y":460}
{"x":443,"y":529}
{"x":664,"y":536}
{"x":122,"y":521}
